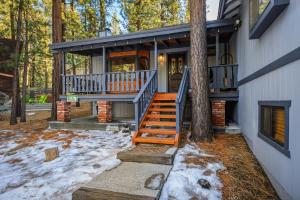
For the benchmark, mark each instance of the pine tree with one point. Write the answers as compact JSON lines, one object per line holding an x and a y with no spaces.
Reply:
{"x":201,"y":116}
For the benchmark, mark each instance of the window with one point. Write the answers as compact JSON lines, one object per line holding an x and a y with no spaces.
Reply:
{"x":257,"y":7}
{"x":274,"y":124}
{"x":262,"y":13}
{"x":123,"y":64}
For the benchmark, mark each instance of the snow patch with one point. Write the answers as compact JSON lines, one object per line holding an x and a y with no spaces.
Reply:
{"x":182,"y":182}
{"x":33,"y":178}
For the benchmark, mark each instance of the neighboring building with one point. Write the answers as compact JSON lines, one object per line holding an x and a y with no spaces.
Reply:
{"x":7,"y":48}
{"x":268,"y":54}
{"x":253,"y":57}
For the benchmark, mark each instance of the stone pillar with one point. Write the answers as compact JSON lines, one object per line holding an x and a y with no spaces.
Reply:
{"x":104,"y":111}
{"x":63,"y":111}
{"x":218,"y":112}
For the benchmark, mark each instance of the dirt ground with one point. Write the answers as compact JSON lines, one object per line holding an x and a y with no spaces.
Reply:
{"x":243,"y":177}
{"x":38,"y":120}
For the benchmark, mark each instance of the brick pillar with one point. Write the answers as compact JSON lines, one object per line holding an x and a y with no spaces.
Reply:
{"x":63,"y":111}
{"x":104,"y":111}
{"x":218,"y":112}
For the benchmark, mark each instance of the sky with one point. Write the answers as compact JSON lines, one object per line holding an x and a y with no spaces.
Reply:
{"x":213,"y":9}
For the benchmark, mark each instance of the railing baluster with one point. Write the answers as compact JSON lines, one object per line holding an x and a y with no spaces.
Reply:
{"x":118,"y":82}
{"x":132,"y":75}
{"x":122,"y":82}
{"x":108,"y":82}
{"x":113,"y":82}
{"x":137,"y":80}
{"x":147,"y":74}
{"x":127,"y":82}
{"x":142,"y":79}
{"x":100,"y":85}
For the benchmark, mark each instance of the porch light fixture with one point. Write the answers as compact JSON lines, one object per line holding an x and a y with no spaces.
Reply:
{"x":161,"y":57}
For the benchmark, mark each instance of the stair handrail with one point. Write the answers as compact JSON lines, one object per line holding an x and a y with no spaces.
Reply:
{"x":181,"y":98}
{"x":144,"y":97}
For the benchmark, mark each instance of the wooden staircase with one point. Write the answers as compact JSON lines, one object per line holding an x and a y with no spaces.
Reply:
{"x":158,"y":125}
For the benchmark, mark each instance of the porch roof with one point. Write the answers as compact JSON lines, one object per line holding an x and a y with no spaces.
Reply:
{"x":165,"y":33}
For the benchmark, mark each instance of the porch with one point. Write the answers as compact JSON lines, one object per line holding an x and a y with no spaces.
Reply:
{"x":146,"y":75}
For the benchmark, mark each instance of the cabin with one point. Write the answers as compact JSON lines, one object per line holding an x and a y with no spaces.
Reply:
{"x":253,"y":62}
{"x":7,"y":48}
{"x":144,"y":76}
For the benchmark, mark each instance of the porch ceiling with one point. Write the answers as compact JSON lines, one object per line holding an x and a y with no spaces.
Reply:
{"x":167,"y":37}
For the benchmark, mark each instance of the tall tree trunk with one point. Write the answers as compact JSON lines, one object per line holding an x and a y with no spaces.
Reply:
{"x":72,"y":55}
{"x":24,"y":84}
{"x":57,"y":57}
{"x":46,"y":77}
{"x":138,"y":21}
{"x":33,"y":69}
{"x":16,"y":94}
{"x":102,"y":15}
{"x":12,"y":20}
{"x":201,"y":115}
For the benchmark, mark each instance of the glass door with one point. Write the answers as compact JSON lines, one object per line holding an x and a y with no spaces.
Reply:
{"x":176,"y":64}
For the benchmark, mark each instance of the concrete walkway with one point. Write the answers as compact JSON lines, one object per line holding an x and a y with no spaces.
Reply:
{"x":136,"y":178}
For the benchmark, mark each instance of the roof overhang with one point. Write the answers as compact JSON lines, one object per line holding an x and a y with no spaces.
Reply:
{"x":229,"y":9}
{"x":165,"y":33}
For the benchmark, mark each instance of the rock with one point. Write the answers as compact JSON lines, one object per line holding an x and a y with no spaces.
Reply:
{"x":208,"y":172}
{"x":125,"y":130}
{"x":51,"y":153}
{"x":204,"y":183}
{"x":96,"y":166}
{"x":112,"y":128}
{"x":155,"y":181}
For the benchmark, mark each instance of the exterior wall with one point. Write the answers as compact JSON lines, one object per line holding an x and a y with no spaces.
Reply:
{"x":122,"y":110}
{"x":97,"y":64}
{"x":282,"y":84}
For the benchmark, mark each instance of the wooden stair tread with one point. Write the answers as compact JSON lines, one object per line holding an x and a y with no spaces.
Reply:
{"x":165,"y":96}
{"x":157,"y":116}
{"x":163,"y":109}
{"x":158,"y":131}
{"x":155,"y":140}
{"x":163,"y":104}
{"x":159,"y":123}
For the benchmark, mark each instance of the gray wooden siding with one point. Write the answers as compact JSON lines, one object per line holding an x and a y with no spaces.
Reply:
{"x":282,"y":84}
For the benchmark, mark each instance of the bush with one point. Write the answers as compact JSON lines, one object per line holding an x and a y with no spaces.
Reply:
{"x":30,"y":100}
{"x":43,"y":99}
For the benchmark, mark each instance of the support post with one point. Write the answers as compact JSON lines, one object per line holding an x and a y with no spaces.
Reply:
{"x":104,"y":69}
{"x":104,"y":59}
{"x":217,"y":48}
{"x":155,"y":54}
{"x":63,"y":73}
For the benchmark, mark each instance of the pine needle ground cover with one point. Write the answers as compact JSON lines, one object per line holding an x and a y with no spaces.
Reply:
{"x":243,"y":178}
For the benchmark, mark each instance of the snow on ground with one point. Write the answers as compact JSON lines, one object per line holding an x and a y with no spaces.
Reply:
{"x":25,"y":174}
{"x":182,"y":182}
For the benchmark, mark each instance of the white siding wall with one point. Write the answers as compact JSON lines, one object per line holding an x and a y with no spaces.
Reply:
{"x":280,"y":38}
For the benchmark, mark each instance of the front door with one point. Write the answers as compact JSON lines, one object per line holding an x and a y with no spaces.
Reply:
{"x":176,"y":64}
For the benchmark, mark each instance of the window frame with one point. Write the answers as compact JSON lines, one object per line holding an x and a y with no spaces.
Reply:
{"x":266,"y":18}
{"x":286,"y":105}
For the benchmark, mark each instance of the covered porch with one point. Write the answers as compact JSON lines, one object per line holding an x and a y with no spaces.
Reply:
{"x":132,"y":74}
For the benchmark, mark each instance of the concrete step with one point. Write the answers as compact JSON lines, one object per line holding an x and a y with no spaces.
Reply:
{"x":149,"y":153}
{"x":127,"y":181}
